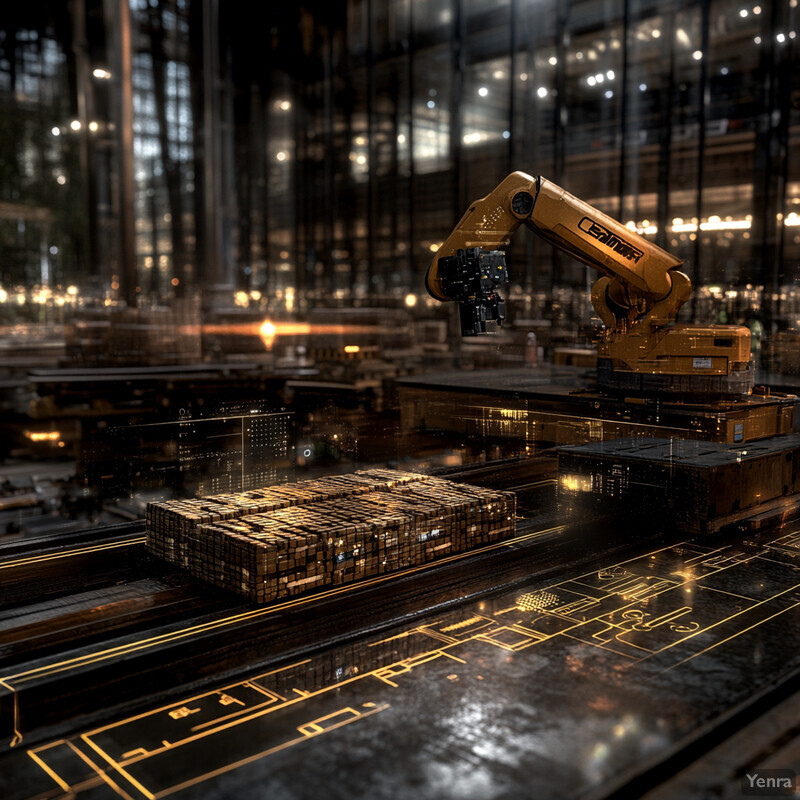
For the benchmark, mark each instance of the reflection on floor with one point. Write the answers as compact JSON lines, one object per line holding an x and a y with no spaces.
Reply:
{"x":552,"y":689}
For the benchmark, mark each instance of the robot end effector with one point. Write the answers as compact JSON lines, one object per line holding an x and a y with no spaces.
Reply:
{"x":472,"y":277}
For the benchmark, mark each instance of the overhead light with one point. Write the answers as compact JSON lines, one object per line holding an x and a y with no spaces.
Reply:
{"x":697,"y":55}
{"x":610,"y":75}
{"x":56,"y":131}
{"x":282,"y":155}
{"x":483,"y":91}
{"x":743,"y":13}
{"x":655,"y":33}
{"x":642,"y":87}
{"x":75,"y":124}
{"x":552,"y":61}
{"x":48,"y":436}
{"x":542,"y":91}
{"x":431,"y":104}
{"x":609,"y":94}
{"x":93,"y":126}
{"x":102,"y":74}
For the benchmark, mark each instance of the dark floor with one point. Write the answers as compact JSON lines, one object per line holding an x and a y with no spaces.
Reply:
{"x":555,"y":689}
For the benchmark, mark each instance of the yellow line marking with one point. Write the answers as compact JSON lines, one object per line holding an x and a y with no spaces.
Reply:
{"x":101,"y":772}
{"x":57,"y":778}
{"x":193,"y":699}
{"x":455,"y":658}
{"x":49,"y":745}
{"x":149,"y":795}
{"x":250,"y":759}
{"x":102,"y":655}
{"x":728,"y":619}
{"x":734,"y":635}
{"x":233,"y":714}
{"x":68,"y":553}
{"x":230,"y":724}
{"x":17,"y":734}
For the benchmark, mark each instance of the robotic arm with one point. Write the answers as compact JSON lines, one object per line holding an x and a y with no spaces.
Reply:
{"x":637,"y":296}
{"x":640,"y":282}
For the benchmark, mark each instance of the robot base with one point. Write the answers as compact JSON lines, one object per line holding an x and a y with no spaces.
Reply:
{"x":739,"y":383}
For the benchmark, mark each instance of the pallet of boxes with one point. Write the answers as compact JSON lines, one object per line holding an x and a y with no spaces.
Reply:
{"x":280,"y":541}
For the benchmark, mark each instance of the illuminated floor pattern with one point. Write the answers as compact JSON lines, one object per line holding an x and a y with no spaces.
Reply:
{"x":548,"y":690}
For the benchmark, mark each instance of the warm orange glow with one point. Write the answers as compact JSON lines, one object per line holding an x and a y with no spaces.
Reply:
{"x":43,"y":436}
{"x":268,"y":330}
{"x":351,"y":348}
{"x":267,"y":334}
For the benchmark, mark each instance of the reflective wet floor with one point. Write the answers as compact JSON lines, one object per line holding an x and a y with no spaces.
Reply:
{"x":550,"y":690}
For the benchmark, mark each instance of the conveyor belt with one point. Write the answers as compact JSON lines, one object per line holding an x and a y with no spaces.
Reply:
{"x":140,"y":614}
{"x":199,"y":642}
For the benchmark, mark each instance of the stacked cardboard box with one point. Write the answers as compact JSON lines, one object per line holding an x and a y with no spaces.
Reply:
{"x":330,"y":532}
{"x":169,"y":524}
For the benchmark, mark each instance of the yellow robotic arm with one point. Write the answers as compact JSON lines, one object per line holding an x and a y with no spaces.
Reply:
{"x":640,"y":280}
{"x":637,"y":296}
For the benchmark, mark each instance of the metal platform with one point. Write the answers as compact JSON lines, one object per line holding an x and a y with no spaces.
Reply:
{"x":696,"y":486}
{"x":539,"y":408}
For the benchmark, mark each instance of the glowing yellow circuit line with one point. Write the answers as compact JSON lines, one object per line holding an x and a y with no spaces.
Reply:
{"x":69,"y":553}
{"x":257,"y":706}
{"x":258,"y":756}
{"x":706,"y":554}
{"x":584,"y":419}
{"x":722,"y":591}
{"x":89,"y":658}
{"x":197,"y":697}
{"x":57,"y":778}
{"x":728,"y":619}
{"x":118,"y":768}
{"x":255,"y":714}
{"x":732,"y":636}
{"x":17,"y":735}
{"x":101,"y":772}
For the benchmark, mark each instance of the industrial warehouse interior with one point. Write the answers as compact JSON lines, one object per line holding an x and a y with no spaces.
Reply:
{"x":399,"y":399}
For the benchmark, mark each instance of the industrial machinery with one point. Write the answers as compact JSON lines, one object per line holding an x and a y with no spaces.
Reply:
{"x":637,"y":297}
